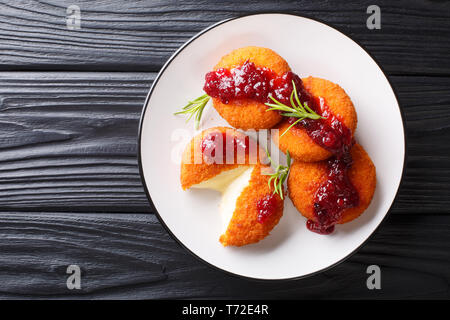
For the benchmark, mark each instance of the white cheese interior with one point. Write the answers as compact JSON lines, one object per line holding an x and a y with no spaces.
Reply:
{"x":221,"y":181}
{"x":230,"y":183}
{"x":230,"y":195}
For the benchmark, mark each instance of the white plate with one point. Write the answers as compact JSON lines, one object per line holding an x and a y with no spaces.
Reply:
{"x":193,"y":218}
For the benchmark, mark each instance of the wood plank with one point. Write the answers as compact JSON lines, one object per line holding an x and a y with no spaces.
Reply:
{"x":139,"y":36}
{"x":131,"y":256}
{"x":69,"y":139}
{"x":68,"y":142}
{"x":426,"y":105}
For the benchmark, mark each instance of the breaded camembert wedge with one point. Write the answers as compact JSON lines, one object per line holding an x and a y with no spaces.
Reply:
{"x":227,"y":160}
{"x":306,"y":178}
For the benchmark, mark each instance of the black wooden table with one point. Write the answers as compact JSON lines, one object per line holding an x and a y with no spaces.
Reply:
{"x":70,"y":192}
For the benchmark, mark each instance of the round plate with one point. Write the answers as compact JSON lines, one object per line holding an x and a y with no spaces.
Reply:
{"x":192,"y":217}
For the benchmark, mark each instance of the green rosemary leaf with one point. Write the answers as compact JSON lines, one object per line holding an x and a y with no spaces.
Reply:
{"x":288,"y":159}
{"x":195,"y":109}
{"x":296,"y":95}
{"x":278,"y":108}
{"x":292,"y":95}
{"x":280,"y":175}
{"x":307,"y":107}
{"x":297,"y":121}
{"x":296,"y":110}
{"x":290,"y":114}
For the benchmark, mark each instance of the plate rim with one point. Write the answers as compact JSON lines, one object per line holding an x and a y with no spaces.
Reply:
{"x":141,"y":170}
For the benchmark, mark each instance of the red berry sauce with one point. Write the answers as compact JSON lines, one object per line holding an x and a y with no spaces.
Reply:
{"x":266,"y":207}
{"x":231,"y":147}
{"x":251,"y":82}
{"x":333,"y":196}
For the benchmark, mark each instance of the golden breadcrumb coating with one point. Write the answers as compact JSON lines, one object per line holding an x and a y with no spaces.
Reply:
{"x":306,"y":177}
{"x":194,"y":171}
{"x":244,"y":227}
{"x":247,"y":113}
{"x":296,"y":140}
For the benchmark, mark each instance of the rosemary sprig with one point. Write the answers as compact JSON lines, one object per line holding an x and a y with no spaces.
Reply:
{"x":279,"y":177}
{"x":296,"y":110}
{"x":195,"y":107}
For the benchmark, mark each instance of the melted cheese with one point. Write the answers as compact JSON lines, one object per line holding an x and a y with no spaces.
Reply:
{"x":230,"y":183}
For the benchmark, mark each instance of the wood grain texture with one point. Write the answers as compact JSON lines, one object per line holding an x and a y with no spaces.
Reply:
{"x":68,"y":142}
{"x":131,"y":256}
{"x":425,"y":102}
{"x":141,"y":35}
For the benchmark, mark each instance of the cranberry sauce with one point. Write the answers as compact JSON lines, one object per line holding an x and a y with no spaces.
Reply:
{"x":333,"y":196}
{"x":251,"y":82}
{"x":229,"y":146}
{"x":266,"y":207}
